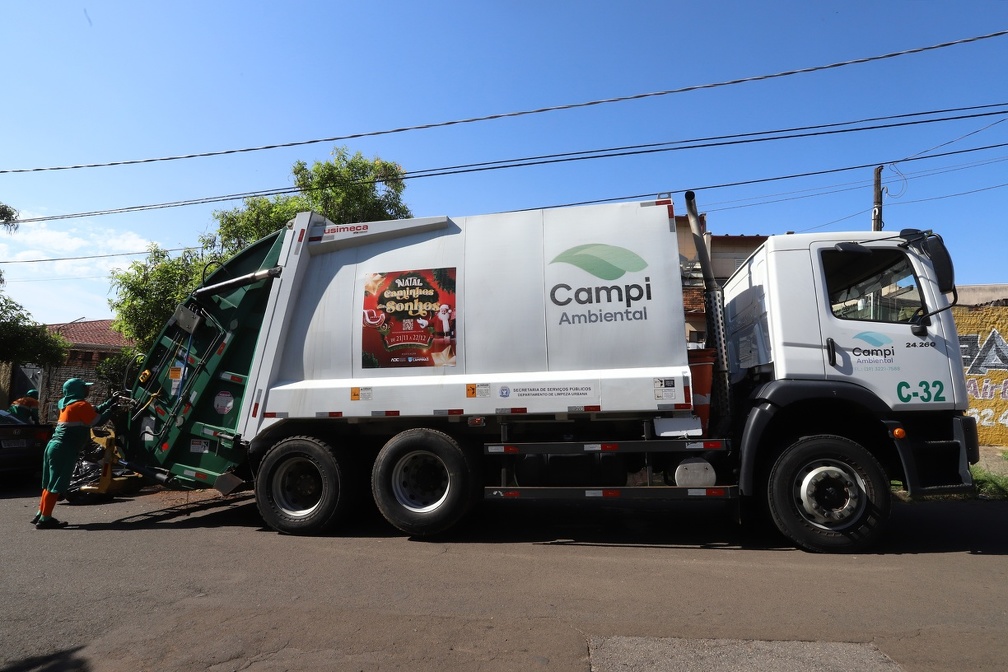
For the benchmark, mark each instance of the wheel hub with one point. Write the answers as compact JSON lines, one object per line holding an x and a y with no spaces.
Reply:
{"x":830,"y":495}
{"x":420,"y":481}
{"x":297,"y":487}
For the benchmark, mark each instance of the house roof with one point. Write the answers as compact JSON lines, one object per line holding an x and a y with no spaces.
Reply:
{"x":980,"y":295}
{"x":96,"y":334}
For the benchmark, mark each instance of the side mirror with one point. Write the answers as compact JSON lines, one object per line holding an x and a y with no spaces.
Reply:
{"x":934,"y":248}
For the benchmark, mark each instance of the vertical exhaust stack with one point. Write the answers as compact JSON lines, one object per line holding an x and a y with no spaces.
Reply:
{"x":716,"y":336}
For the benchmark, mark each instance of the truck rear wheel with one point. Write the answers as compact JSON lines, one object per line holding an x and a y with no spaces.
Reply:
{"x":829,"y":494}
{"x":300,"y":486}
{"x":422,"y":482}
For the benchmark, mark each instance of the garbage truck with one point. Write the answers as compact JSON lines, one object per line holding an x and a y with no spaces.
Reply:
{"x":543,"y":355}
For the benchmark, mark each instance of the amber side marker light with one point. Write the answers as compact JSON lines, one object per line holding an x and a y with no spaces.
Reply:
{"x":899,"y":433}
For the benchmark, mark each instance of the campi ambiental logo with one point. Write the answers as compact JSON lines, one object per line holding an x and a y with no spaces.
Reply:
{"x":881,"y":349}
{"x":606,"y":262}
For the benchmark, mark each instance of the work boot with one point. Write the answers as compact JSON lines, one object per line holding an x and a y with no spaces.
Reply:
{"x":50,"y":524}
{"x":35,"y":519}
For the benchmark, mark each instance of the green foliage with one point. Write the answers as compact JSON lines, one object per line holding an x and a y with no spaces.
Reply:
{"x":345,"y":189}
{"x":257,"y":218}
{"x":8,"y":217}
{"x":988,"y":484}
{"x":148,"y":291}
{"x":25,"y":341}
{"x":111,"y":371}
{"x":444,"y":280}
{"x":352,"y":188}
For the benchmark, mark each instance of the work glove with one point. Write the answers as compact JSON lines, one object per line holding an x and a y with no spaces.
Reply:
{"x":125,"y":399}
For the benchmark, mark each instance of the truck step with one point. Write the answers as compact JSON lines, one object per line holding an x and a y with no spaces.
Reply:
{"x":592,"y":447}
{"x":938,"y":490}
{"x":666,"y":492}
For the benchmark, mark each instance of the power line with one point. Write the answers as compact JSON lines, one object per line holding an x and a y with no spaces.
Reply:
{"x":621,"y":198}
{"x":920,"y":200}
{"x":652,"y":148}
{"x":766,"y":199}
{"x":778,"y":178}
{"x":723,"y":140}
{"x":900,"y":120}
{"x":961,"y":137}
{"x":955,"y":195}
{"x":506,"y":115}
{"x":92,"y":256}
{"x":769,"y":198}
{"x":839,"y":188}
{"x":56,"y":278}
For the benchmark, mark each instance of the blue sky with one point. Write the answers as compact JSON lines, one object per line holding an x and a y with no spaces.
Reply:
{"x":102,"y":82}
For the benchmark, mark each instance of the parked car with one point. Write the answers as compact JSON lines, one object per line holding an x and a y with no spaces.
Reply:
{"x":21,"y":444}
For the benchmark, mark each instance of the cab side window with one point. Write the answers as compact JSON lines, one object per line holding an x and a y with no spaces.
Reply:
{"x":876,"y":287}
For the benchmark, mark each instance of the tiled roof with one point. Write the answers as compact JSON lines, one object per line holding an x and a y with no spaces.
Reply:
{"x":756,"y":237}
{"x":97,"y":333}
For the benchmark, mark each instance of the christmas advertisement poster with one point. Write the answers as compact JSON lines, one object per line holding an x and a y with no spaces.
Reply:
{"x":409,"y":319}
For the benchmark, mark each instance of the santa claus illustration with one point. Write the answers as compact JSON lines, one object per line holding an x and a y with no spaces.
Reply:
{"x":445,"y":321}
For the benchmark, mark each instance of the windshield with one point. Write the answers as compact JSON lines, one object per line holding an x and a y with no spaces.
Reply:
{"x":877,"y":287}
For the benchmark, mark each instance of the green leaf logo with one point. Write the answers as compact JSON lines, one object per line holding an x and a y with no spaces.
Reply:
{"x":603,"y":261}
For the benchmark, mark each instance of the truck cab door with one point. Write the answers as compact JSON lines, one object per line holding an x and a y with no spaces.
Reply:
{"x":873,"y":312}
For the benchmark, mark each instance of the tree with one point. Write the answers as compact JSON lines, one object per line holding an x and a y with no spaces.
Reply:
{"x":25,"y":341}
{"x":22,"y":339}
{"x":111,"y":372}
{"x":345,"y":189}
{"x":8,"y":217}
{"x":149,"y":289}
{"x":352,"y":188}
{"x":257,"y":218}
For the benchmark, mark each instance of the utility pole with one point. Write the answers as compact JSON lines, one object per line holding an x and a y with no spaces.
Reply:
{"x":876,"y":214}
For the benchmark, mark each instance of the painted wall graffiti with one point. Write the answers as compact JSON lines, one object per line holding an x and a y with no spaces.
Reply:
{"x":982,"y":338}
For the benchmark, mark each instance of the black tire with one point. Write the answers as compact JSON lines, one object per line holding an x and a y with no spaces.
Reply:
{"x":422,"y":482}
{"x":828,"y":494}
{"x":301,"y":486}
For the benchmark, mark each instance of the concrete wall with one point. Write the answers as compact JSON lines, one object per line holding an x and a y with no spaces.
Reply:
{"x":983,"y":331}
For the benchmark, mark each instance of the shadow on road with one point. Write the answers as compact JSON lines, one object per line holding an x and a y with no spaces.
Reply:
{"x":61,"y":661}
{"x":233,"y":511}
{"x":973,"y":526}
{"x":641,"y":525}
{"x":15,"y":484}
{"x":208,"y":509}
{"x":945,"y":526}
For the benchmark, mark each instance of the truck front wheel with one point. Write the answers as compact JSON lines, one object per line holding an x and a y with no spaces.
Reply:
{"x":829,"y":494}
{"x":299,"y":488}
{"x":422,"y":482}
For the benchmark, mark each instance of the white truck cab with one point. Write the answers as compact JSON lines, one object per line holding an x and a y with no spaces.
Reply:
{"x":848,"y":337}
{"x":815,"y":312}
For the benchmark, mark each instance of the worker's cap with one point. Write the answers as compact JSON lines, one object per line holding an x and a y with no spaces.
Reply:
{"x":75,"y":387}
{"x":33,"y":393}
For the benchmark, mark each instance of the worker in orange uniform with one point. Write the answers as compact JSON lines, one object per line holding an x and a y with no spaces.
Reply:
{"x":73,"y":431}
{"x":26,"y":408}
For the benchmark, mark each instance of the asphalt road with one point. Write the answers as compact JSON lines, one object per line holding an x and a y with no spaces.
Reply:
{"x":171,"y":581}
